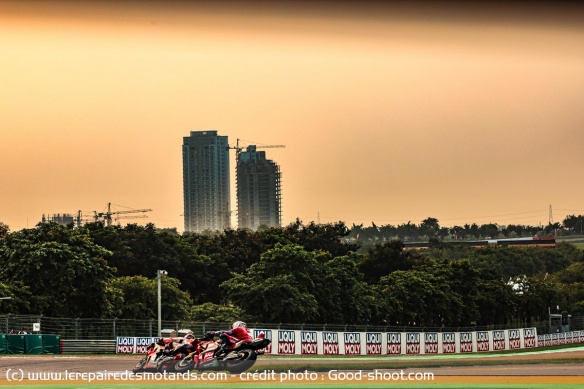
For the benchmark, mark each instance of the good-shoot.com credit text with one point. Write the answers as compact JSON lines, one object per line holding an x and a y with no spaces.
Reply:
{"x":339,"y":376}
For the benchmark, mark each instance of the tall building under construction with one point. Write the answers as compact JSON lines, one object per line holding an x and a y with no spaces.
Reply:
{"x":259,"y":202}
{"x":206,"y":190}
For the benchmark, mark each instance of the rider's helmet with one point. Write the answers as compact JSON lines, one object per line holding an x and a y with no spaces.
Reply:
{"x":189,"y":335}
{"x":239,"y":324}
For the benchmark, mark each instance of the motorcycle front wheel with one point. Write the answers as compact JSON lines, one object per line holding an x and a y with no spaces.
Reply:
{"x":166,"y":364}
{"x":139,"y":366}
{"x":184,"y":365}
{"x":239,"y":361}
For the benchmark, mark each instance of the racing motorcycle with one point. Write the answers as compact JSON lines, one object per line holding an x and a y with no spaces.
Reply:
{"x":157,"y":356}
{"x":202,"y":354}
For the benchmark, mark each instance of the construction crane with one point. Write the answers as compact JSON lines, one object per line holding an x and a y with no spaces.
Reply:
{"x":108,"y":216}
{"x":239,"y":148}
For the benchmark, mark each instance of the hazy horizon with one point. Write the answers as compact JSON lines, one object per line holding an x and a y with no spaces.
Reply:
{"x":390,"y":112}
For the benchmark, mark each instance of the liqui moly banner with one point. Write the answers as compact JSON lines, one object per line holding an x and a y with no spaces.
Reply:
{"x":483,"y":341}
{"x":514,"y":339}
{"x":373,"y":343}
{"x":330,"y":343}
{"x":268,"y":335}
{"x":412,"y":342}
{"x":499,"y":340}
{"x":143,"y":343}
{"x":448,"y":342}
{"x":352,"y":343}
{"x":286,"y":342}
{"x":430,"y":343}
{"x":548,"y":340}
{"x":125,"y":345}
{"x":293,"y":342}
{"x":308,"y":342}
{"x":529,"y":337}
{"x":133,"y":345}
{"x":466,"y":342}
{"x":394,"y":343}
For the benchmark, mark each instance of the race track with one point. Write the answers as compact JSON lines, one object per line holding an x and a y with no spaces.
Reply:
{"x":557,"y":369}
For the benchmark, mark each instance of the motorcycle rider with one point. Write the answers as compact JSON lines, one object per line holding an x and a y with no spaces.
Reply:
{"x":238,"y":331}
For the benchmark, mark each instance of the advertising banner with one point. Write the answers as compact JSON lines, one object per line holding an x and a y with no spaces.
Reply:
{"x":286,"y":342}
{"x":529,"y":337}
{"x":268,"y":335}
{"x":394,"y":343}
{"x":448,"y":342}
{"x":133,"y":345}
{"x":466,"y":342}
{"x":295,"y":342}
{"x":514,"y":339}
{"x":483,"y":341}
{"x":308,"y":342}
{"x":373,"y":343}
{"x":330,"y":343}
{"x":430,"y":343}
{"x":412,"y":342}
{"x":499,"y":342}
{"x":352,"y":343}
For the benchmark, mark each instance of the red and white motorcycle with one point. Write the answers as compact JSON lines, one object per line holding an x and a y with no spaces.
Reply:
{"x":202,"y":354}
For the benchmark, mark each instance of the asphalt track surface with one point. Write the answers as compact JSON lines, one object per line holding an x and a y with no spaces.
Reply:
{"x":549,"y":369}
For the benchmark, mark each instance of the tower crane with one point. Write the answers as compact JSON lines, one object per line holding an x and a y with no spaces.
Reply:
{"x":108,"y":216}
{"x":239,"y":148}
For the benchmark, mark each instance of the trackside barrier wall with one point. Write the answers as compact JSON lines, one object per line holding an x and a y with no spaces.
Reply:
{"x":560,"y":338}
{"x":295,"y":342}
{"x":30,"y":344}
{"x":2,"y":343}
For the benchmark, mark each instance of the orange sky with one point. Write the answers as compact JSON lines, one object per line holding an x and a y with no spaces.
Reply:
{"x":389,"y":113}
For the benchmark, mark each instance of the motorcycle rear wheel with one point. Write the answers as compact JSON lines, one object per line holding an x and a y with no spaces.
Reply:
{"x":239,"y":361}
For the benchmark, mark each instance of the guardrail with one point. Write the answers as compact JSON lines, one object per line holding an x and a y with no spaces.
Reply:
{"x":89,"y":346}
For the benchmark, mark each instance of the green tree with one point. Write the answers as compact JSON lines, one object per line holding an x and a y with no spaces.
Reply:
{"x":210,"y":312}
{"x":342,"y":294}
{"x":4,"y":230}
{"x":496,"y":301}
{"x":419,"y":298}
{"x":20,"y":297}
{"x":61,"y":267}
{"x":322,"y":237}
{"x":138,"y":298}
{"x":429,"y":227}
{"x":279,"y":287}
{"x":384,"y":258}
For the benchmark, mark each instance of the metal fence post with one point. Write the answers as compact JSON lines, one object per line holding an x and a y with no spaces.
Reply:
{"x":76,"y":329}
{"x":114,"y":327}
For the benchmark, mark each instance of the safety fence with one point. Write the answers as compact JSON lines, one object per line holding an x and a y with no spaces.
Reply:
{"x":107,"y":329}
{"x":30,"y":344}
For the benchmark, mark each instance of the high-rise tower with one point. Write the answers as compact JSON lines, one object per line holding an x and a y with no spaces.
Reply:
{"x":259,"y":200}
{"x":206,"y":190}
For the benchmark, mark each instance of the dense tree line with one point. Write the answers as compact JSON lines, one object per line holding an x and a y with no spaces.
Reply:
{"x":430,"y":228}
{"x":314,"y":273}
